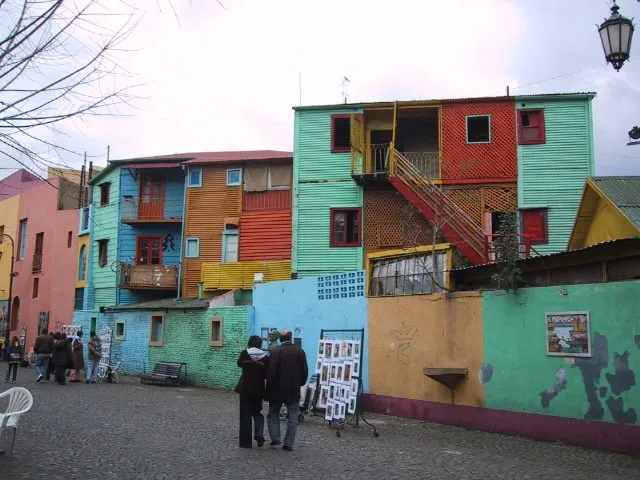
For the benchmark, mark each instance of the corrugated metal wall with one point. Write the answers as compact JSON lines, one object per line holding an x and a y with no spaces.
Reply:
{"x":271,"y":199}
{"x":241,"y":274}
{"x":553,"y":174}
{"x":265,"y":235}
{"x":207,"y":207}
{"x":481,"y":162}
{"x":322,"y":180}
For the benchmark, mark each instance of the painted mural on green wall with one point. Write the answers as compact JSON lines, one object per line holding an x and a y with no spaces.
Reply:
{"x":187,"y":339}
{"x":322,"y":180}
{"x":552,"y":174}
{"x":518,"y":374}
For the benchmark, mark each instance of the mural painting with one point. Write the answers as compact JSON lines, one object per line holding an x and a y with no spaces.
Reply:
{"x":568,"y":334}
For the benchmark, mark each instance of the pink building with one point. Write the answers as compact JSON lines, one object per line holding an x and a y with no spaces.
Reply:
{"x":17,"y":183}
{"x":46,"y":263}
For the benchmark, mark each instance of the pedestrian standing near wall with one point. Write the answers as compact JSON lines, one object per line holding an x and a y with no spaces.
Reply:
{"x":95,"y":354}
{"x":43,"y":348}
{"x":14,"y":357}
{"x":62,"y":357}
{"x":254,"y":363}
{"x":286,"y":374}
{"x":78,"y":358}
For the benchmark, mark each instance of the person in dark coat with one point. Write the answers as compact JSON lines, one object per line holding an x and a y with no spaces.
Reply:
{"x":78,"y":358}
{"x":14,"y":357}
{"x":254,"y":363}
{"x":287,"y":372}
{"x":62,"y":356}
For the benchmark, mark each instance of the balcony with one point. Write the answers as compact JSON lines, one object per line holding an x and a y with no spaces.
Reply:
{"x":148,"y":277}
{"x":216,"y":276}
{"x":373,"y":166}
{"x":151,"y":210}
{"x":36,"y":266}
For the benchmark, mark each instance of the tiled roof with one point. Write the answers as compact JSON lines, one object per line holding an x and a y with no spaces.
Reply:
{"x":436,"y":101}
{"x":166,"y":304}
{"x":624,"y":192}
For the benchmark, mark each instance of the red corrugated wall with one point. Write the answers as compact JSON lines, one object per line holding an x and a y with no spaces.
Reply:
{"x":265,"y":235}
{"x":479,"y":163}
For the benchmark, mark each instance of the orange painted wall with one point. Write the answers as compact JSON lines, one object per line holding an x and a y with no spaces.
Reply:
{"x":265,"y":235}
{"x":207,"y":207}
{"x":484,"y":162}
{"x":409,"y":333}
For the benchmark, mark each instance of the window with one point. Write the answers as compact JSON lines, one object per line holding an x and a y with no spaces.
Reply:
{"x":229,"y":245}
{"x":103,"y":249}
{"x":340,"y":133}
{"x":22,"y":239}
{"x":195,"y":177}
{"x":279,"y":177}
{"x":84,"y":220}
{"x":157,"y":330}
{"x":408,"y":275}
{"x":36,"y":286}
{"x":215,"y":339}
{"x":119,"y":334}
{"x":345,"y":227}
{"x":533,"y":222}
{"x":69,"y":239}
{"x":531,"y":127}
{"x":82,"y":263}
{"x":37,"y":254}
{"x":149,"y":251}
{"x":104,"y":194}
{"x":234,"y":177}
{"x":192,"y":247}
{"x":478,"y":129}
{"x":79,"y":299}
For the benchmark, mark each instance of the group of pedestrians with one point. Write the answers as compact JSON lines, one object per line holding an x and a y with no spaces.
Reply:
{"x":60,"y":355}
{"x":276,"y":377}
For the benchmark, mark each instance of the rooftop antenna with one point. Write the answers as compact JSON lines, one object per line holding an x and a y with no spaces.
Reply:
{"x":345,"y":86}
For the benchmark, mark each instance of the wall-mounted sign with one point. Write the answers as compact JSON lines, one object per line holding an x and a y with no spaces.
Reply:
{"x":568,"y":334}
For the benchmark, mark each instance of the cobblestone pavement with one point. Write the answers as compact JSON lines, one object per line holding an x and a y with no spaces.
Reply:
{"x":134,"y":431}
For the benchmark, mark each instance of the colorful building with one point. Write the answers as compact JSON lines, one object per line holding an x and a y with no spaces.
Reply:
{"x":609,"y":210}
{"x":372,"y":177}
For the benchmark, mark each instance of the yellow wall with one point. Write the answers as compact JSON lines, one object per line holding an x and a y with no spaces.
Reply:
{"x":8,"y":218}
{"x":83,"y":240}
{"x":409,"y":333}
{"x":608,"y":223}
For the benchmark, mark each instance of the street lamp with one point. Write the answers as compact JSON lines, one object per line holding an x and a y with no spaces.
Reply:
{"x":615,"y":34}
{"x":12,"y":275}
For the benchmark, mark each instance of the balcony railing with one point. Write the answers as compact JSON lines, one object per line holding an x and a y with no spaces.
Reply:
{"x":160,"y":210}
{"x":148,"y":277}
{"x":241,"y":274}
{"x":36,"y":266}
{"x":522,"y":242}
{"x":376,"y":161}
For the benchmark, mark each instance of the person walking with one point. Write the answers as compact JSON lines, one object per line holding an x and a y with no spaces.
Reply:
{"x":254,"y":363}
{"x":95,"y":354}
{"x":78,"y":358}
{"x":287,"y":372}
{"x":14,"y":356}
{"x":62,"y":357}
{"x":43,"y":348}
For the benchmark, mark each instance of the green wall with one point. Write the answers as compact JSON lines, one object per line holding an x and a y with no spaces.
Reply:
{"x":517,"y":369}
{"x":322,"y":180}
{"x":105,"y":226}
{"x":186,"y":339}
{"x":553,"y":174}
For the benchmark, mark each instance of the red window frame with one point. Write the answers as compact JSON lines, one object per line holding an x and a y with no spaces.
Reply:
{"x":139,"y":241}
{"x":534,"y":221}
{"x":539,"y":126}
{"x":333,"y":228}
{"x":36,"y":287}
{"x":335,"y":149}
{"x":104,"y":194}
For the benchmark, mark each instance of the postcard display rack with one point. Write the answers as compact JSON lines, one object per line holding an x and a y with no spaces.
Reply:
{"x":339,"y":380}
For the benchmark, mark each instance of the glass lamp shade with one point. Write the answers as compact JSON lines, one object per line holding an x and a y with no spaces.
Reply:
{"x":615,"y":34}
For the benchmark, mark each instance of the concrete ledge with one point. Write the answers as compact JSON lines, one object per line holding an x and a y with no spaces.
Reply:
{"x":599,"y":435}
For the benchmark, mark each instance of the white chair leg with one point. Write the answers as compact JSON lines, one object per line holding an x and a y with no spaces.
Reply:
{"x":13,"y":441}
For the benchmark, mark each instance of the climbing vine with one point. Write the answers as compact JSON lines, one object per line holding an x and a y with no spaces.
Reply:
{"x":507,"y":253}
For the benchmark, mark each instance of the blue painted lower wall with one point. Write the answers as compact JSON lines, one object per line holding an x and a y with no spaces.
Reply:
{"x":309,"y":305}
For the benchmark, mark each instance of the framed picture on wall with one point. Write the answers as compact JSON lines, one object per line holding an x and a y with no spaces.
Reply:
{"x":349,"y":350}
{"x":352,"y":405}
{"x":324,"y":396}
{"x":339,"y":374}
{"x":334,"y":371}
{"x":354,"y":387}
{"x":328,"y":415}
{"x":321,"y":348}
{"x":328,"y":349}
{"x":336,"y":350}
{"x":356,"y":349}
{"x":568,"y":334}
{"x":319,"y":365}
{"x":355,"y":370}
{"x":347,"y":372}
{"x":324,"y":375}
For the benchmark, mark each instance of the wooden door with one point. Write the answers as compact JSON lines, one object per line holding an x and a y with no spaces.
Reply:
{"x":151,"y":199}
{"x":149,"y":251}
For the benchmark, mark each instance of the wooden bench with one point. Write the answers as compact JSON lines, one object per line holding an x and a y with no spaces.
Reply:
{"x":166,"y":373}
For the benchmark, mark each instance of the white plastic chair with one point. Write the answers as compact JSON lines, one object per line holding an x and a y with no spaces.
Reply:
{"x":20,"y":401}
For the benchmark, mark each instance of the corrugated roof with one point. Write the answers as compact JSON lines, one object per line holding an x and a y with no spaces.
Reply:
{"x":435,"y":101}
{"x":238,"y":156}
{"x":151,"y":165}
{"x":166,"y":304}
{"x":624,"y":192}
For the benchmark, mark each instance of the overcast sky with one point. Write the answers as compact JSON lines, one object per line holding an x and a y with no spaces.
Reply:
{"x":226,"y":78}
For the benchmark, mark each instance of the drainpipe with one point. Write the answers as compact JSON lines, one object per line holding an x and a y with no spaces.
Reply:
{"x":12,"y":275}
{"x":182,"y":239}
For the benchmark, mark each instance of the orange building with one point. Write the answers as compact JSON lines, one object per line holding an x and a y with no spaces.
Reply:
{"x":238,"y":220}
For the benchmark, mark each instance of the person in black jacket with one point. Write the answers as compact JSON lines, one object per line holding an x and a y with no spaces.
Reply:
{"x":287,"y":372}
{"x":15,"y":357}
{"x":254,"y":363}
